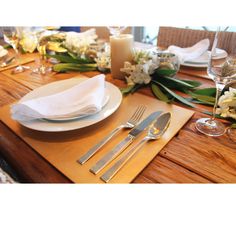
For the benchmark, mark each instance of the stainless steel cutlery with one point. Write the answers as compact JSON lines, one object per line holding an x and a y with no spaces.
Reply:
{"x":134,"y":119}
{"x":156,"y":130}
{"x":124,"y":143}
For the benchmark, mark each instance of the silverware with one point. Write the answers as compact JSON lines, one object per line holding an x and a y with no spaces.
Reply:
{"x":134,"y":119}
{"x":8,"y":61}
{"x":124,"y":143}
{"x":156,"y":130}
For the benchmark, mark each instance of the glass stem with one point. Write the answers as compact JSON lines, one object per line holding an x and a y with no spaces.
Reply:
{"x":218,"y":92}
{"x":18,"y":58}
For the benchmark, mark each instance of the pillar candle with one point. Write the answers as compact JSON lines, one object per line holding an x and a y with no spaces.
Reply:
{"x":121,"y":51}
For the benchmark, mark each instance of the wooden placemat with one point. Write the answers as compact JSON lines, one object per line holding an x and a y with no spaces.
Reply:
{"x":63,"y":149}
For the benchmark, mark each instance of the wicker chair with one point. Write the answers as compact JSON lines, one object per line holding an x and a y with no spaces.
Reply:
{"x":187,"y":37}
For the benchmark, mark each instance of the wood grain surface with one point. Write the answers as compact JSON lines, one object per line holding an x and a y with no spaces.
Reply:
{"x":190,"y":157}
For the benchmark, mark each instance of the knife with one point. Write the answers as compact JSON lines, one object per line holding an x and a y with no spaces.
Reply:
{"x":156,"y":130}
{"x":124,"y":143}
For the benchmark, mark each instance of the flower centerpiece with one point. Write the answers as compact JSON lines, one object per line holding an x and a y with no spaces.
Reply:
{"x":77,"y":51}
{"x":157,"y":70}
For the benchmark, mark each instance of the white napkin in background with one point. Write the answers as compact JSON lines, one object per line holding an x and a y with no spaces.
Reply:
{"x":190,"y":53}
{"x":83,"y":99}
{"x":76,"y":40}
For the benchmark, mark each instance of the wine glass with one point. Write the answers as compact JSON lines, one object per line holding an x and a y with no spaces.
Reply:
{"x":43,"y":68}
{"x":116,"y":30}
{"x":12,"y":36}
{"x":221,"y":71}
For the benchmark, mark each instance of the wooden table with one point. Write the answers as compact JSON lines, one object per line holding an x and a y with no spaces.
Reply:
{"x":190,"y":157}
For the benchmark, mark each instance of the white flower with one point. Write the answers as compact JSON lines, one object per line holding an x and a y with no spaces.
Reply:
{"x":141,"y":72}
{"x":227,"y":104}
{"x":79,"y":43}
{"x":103,"y":60}
{"x":29,"y":42}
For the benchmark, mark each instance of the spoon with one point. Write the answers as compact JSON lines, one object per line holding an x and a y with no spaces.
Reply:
{"x":156,"y":130}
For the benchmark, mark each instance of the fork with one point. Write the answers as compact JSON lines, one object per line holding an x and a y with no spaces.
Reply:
{"x":133,"y":120}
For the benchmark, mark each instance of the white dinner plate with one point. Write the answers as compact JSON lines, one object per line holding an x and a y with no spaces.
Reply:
{"x":202,"y":61}
{"x":114,"y":101}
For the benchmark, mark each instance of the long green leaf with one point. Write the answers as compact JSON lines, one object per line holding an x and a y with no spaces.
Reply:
{"x":179,"y":98}
{"x":173,"y":83}
{"x":181,"y":82}
{"x":206,"y":91}
{"x":165,"y":72}
{"x":127,"y":89}
{"x":158,"y":93}
{"x":69,"y":59}
{"x":194,"y":83}
{"x":201,"y":102}
{"x":136,"y":87}
{"x":63,"y":67}
{"x":202,"y":97}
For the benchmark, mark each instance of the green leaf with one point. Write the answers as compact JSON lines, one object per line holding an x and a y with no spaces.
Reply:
{"x":165,"y":72}
{"x":72,"y":55}
{"x":68,"y":59}
{"x":63,"y":67}
{"x":158,"y":93}
{"x":206,"y":91}
{"x":127,"y":89}
{"x":136,"y":87}
{"x":203,"y":98}
{"x":233,"y":126}
{"x":7,"y":46}
{"x":211,"y":114}
{"x":192,"y":82}
{"x":181,"y":82}
{"x":176,"y":96}
{"x":201,"y":102}
{"x":173,"y":83}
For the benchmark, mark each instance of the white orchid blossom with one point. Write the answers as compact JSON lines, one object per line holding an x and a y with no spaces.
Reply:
{"x":227,"y":104}
{"x":140,"y":73}
{"x":29,"y":41}
{"x":79,"y":43}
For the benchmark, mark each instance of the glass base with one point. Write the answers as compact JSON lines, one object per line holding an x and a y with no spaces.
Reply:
{"x":42,"y":70}
{"x":20,"y":69}
{"x":232,"y":134}
{"x":210,"y":127}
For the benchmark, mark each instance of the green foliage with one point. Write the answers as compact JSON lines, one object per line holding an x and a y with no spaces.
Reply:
{"x":66,"y":58}
{"x":176,"y":96}
{"x":63,"y":67}
{"x":158,"y":93}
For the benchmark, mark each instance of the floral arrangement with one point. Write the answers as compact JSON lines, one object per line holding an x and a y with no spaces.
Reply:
{"x":78,"y":51}
{"x":158,"y":70}
{"x":28,"y":42}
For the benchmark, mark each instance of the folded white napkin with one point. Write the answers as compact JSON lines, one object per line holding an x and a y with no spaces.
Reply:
{"x":190,"y":53}
{"x":85,"y":98}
